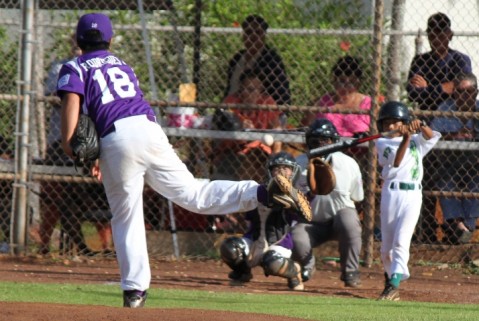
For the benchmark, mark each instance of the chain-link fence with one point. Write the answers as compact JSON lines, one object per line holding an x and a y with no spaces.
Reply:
{"x":322,"y":59}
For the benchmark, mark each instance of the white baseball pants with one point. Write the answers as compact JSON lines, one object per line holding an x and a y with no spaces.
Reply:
{"x":138,"y":151}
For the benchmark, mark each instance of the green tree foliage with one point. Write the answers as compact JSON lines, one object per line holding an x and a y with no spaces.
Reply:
{"x":8,"y":68}
{"x":309,"y":48}
{"x":8,"y":85}
{"x":308,"y":54}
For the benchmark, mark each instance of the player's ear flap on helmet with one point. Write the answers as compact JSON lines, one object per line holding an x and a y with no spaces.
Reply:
{"x":393,"y":110}
{"x":321,"y":128}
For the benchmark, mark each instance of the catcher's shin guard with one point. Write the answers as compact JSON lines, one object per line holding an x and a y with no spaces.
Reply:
{"x":274,"y":263}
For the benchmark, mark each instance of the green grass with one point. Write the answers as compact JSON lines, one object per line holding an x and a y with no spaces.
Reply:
{"x":309,"y":307}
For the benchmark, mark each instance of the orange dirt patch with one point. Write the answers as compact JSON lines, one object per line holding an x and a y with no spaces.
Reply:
{"x":428,"y":284}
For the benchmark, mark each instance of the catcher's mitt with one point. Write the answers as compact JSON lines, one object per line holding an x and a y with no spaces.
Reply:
{"x":84,"y":143}
{"x":282,"y":192}
{"x":321,"y":178}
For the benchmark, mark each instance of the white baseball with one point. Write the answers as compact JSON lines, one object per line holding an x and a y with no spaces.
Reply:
{"x":268,"y":140}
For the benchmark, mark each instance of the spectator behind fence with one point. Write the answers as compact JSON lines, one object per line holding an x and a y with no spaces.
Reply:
{"x":240,"y":159}
{"x":251,"y":91}
{"x":6,"y":199}
{"x":257,"y":55}
{"x":60,"y":198}
{"x":431,"y":75}
{"x":430,"y":82}
{"x":55,"y":154}
{"x":459,"y":167}
{"x":346,"y":77}
{"x":334,"y":215}
{"x":236,"y":159}
{"x":268,"y":241}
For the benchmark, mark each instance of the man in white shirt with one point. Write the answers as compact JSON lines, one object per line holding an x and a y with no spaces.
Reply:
{"x":334,"y":215}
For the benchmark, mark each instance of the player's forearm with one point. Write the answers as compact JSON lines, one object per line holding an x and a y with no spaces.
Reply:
{"x":402,"y":150}
{"x":426,"y":132}
{"x":69,"y":119}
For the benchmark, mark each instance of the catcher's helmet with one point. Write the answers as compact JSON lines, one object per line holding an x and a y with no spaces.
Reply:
{"x":234,"y":251}
{"x":393,"y":110}
{"x":321,"y":128}
{"x":286,"y":159}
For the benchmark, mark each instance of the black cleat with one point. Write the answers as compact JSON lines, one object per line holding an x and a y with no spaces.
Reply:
{"x":134,"y":299}
{"x":240,"y":277}
{"x":351,"y":279}
{"x":390,"y":293}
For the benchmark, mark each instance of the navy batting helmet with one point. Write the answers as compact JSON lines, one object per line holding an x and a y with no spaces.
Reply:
{"x":393,"y":110}
{"x":321,"y":128}
{"x":286,"y":159}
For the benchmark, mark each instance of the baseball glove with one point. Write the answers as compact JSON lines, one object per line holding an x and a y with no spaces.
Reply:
{"x":84,"y":143}
{"x":321,"y":177}
{"x":282,"y":193}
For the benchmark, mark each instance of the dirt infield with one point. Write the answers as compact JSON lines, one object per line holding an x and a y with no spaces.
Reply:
{"x":428,"y":284}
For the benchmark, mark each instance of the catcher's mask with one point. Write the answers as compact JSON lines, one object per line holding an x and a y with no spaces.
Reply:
{"x":321,"y":129}
{"x":393,"y":110}
{"x":234,"y":251}
{"x":285,"y":159}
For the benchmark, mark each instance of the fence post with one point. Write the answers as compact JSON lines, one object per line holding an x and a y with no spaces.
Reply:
{"x":20,"y":185}
{"x":394,"y":51}
{"x":370,"y":205}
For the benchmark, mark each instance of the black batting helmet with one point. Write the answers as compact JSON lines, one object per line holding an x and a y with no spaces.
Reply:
{"x":286,"y":159}
{"x":393,"y":110}
{"x":321,"y":128}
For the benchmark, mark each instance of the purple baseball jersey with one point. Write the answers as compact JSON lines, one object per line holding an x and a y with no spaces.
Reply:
{"x":109,"y":88}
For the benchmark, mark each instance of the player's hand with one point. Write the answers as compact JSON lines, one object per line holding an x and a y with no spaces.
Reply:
{"x":95,"y":170}
{"x":247,"y":123}
{"x":464,"y":133}
{"x":403,"y":129}
{"x":418,"y":81}
{"x":415,"y":125}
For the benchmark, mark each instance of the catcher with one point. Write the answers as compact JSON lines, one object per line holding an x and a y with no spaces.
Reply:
{"x":333,"y":195}
{"x":268,"y":241}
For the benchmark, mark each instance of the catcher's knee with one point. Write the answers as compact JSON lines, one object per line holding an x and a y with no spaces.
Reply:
{"x":233,"y":252}
{"x":275,"y":264}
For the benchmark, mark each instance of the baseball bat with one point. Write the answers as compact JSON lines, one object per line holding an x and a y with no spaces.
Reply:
{"x":347,"y":143}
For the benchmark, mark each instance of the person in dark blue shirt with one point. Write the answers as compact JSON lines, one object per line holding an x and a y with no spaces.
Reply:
{"x":431,"y":75}
{"x":430,"y":83}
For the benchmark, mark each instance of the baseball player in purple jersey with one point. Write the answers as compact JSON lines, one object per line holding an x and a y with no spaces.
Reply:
{"x":134,"y":151}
